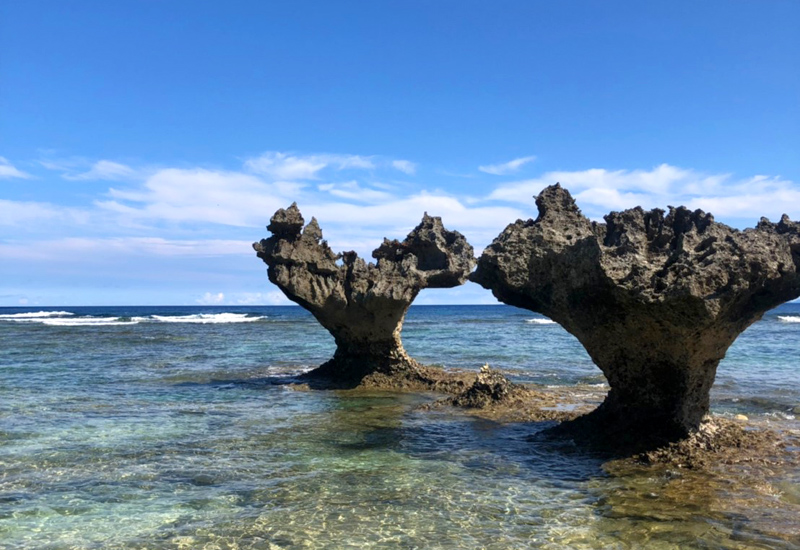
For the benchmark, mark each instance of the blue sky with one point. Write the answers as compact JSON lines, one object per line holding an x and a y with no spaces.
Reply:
{"x":145,"y":144}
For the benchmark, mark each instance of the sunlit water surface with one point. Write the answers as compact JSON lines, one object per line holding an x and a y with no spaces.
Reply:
{"x":162,"y":428}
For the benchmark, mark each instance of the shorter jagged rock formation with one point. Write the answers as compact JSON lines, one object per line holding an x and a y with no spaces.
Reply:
{"x":489,"y":394}
{"x":490,"y":387}
{"x":363,"y":305}
{"x":655,"y":299}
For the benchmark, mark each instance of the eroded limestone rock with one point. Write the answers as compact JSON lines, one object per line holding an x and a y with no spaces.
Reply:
{"x":490,"y":386}
{"x":362,"y":304}
{"x":655,"y":298}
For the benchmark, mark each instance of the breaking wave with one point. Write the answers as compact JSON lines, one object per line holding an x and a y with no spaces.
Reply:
{"x":207,"y":318}
{"x":789,"y":318}
{"x":67,"y":319}
{"x":34,"y":315}
{"x":540,"y":321}
{"x":91,"y":321}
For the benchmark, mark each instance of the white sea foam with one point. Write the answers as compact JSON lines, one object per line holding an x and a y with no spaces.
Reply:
{"x":540,"y":321}
{"x":207,"y":318}
{"x":789,"y":318}
{"x":599,"y":385}
{"x":88,"y":322}
{"x":67,"y":319}
{"x":34,"y":315}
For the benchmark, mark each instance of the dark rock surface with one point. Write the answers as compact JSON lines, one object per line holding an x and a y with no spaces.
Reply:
{"x":363,"y":304}
{"x":489,"y":387}
{"x":655,"y":298}
{"x":490,"y":395}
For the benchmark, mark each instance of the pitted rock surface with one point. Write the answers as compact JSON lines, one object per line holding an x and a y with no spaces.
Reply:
{"x":362,"y":304}
{"x":656,"y":297}
{"x":490,"y":386}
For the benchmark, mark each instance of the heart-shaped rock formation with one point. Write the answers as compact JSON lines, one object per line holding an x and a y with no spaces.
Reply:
{"x":362,"y":304}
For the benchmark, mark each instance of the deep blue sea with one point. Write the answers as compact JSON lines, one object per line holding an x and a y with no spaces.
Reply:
{"x":160,"y":427}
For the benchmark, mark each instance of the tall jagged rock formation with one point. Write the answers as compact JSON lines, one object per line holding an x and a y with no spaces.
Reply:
{"x":362,"y":304}
{"x":655,"y":299}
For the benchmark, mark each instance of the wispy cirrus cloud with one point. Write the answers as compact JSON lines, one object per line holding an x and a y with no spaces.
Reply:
{"x":76,"y":168}
{"x":278,"y":165}
{"x":286,"y":166}
{"x":405,"y":166}
{"x":8,"y":170}
{"x":27,"y":213}
{"x":105,"y":170}
{"x":77,"y":249}
{"x":506,"y":168}
{"x":353,"y":191}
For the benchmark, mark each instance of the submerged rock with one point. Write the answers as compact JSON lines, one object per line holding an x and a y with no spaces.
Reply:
{"x":489,"y":387}
{"x":363,"y":304}
{"x":489,"y":394}
{"x":655,"y":298}
{"x":717,"y":440}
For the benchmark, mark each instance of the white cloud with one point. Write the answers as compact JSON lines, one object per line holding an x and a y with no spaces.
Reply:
{"x":350,"y":211}
{"x":384,"y":186}
{"x":362,"y":227}
{"x":16,"y":213}
{"x":752,"y":198}
{"x":405,"y":166}
{"x":355,"y":214}
{"x":660,"y":180}
{"x":599,"y":190}
{"x":350,"y":161}
{"x":351,"y":190}
{"x":199,"y":195}
{"x":82,"y":169}
{"x":67,"y":165}
{"x":209,"y":299}
{"x":283,"y":166}
{"x":274,"y":298}
{"x":510,"y":167}
{"x":407,"y":212}
{"x":105,"y":170}
{"x":139,"y":229}
{"x":78,"y":249}
{"x":8,"y":171}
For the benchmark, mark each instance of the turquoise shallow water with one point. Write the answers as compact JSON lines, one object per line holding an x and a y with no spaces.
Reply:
{"x":160,"y":428}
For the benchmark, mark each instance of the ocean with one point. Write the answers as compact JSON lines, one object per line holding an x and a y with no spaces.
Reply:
{"x":162,"y":427}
